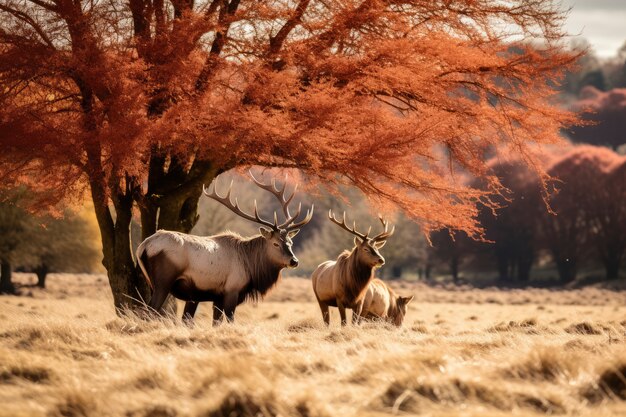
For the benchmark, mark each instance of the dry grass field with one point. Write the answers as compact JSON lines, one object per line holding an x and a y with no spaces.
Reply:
{"x":63,"y":352}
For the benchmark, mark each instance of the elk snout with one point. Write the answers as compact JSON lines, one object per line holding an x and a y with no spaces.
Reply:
{"x":293,"y":262}
{"x":380,"y":262}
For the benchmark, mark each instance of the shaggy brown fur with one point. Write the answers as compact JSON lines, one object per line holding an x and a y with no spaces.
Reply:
{"x":354,"y":276}
{"x":262,"y":274}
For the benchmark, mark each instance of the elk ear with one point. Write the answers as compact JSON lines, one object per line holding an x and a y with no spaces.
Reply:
{"x":380,"y":244}
{"x":266,"y":233}
{"x":292,"y":233}
{"x":406,"y":300}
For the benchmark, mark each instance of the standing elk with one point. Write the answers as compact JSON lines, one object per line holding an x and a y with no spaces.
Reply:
{"x":225,"y":268}
{"x":381,"y":302}
{"x":342,"y":283}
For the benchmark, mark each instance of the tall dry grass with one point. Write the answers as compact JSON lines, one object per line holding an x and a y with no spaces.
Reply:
{"x":66,"y":354}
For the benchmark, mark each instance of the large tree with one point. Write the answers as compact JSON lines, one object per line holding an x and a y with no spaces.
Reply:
{"x":146,"y":100}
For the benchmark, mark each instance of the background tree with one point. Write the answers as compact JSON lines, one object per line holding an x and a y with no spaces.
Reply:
{"x":16,"y":228}
{"x":452,"y":250}
{"x":617,"y":225}
{"x":512,"y":228}
{"x":604,"y":206}
{"x":607,"y":113}
{"x":44,"y":244}
{"x":588,"y":70}
{"x":405,"y":251}
{"x":586,"y":209}
{"x":144,"y":101}
{"x":66,"y":244}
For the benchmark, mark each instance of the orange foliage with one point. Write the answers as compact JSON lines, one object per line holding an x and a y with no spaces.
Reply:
{"x":304,"y":92}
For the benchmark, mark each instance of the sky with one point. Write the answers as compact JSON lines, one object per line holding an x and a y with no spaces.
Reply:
{"x":601,"y":22}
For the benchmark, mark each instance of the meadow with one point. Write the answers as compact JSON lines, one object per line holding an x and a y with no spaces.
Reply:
{"x":462,"y":351}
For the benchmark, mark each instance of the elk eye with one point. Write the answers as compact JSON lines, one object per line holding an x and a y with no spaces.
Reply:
{"x":366,"y":250}
{"x":276,"y":244}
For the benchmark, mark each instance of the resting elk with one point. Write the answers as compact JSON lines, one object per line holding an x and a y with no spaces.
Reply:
{"x":382,"y":303}
{"x":225,"y":268}
{"x":342,"y":283}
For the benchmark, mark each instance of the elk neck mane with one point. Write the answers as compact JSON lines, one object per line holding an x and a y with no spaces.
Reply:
{"x":252,"y":253}
{"x":354,"y":275}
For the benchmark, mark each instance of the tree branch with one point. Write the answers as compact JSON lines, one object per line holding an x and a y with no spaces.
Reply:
{"x":47,"y":6}
{"x":277,"y":41}
{"x":30,"y":21}
{"x":227,"y":10}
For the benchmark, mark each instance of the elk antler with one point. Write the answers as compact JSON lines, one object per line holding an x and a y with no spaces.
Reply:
{"x":385,"y":234}
{"x":226,"y":201}
{"x":288,"y":224}
{"x":343,"y":225}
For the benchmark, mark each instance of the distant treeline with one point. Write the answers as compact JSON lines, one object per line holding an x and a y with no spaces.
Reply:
{"x":580,"y":225}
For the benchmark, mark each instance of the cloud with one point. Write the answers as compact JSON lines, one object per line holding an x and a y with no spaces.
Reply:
{"x":601,"y":22}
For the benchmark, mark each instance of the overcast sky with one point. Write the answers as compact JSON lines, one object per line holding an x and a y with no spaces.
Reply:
{"x":601,"y":22}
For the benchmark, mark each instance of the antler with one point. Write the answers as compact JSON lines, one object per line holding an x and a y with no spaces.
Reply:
{"x":288,"y":224}
{"x":385,"y":234}
{"x":343,"y":225}
{"x":226,"y":201}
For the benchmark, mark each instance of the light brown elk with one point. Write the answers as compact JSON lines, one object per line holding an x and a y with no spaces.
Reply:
{"x":226,"y":268}
{"x":342,"y":283}
{"x":381,"y":302}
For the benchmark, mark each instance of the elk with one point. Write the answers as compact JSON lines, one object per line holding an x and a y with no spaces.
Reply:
{"x":381,"y":302}
{"x":342,"y":283}
{"x":225,"y":268}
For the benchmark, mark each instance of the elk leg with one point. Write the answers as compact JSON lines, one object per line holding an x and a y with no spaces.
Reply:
{"x":190,"y":311}
{"x":158,"y":298}
{"x":163,"y":273}
{"x":230,"y":304}
{"x":325,"y":312}
{"x":218,"y":311}
{"x":356,"y":313}
{"x":342,"y":313}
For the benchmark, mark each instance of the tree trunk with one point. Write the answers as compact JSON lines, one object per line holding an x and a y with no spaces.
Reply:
{"x":396,"y":272}
{"x":129,"y":287}
{"x":170,"y":203}
{"x":502,"y":261}
{"x":454,"y":267}
{"x":611,"y":266}
{"x":523,"y":270}
{"x":567,"y":270}
{"x":6,"y":285}
{"x":524,"y":265}
{"x":42,"y":273}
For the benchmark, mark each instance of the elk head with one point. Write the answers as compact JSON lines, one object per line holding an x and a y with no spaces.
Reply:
{"x":366,"y":247}
{"x":278,"y":236}
{"x":400,"y":312}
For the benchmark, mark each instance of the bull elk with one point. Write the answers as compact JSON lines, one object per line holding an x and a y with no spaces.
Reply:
{"x":225,"y":268}
{"x":342,"y":283}
{"x":381,"y":302}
